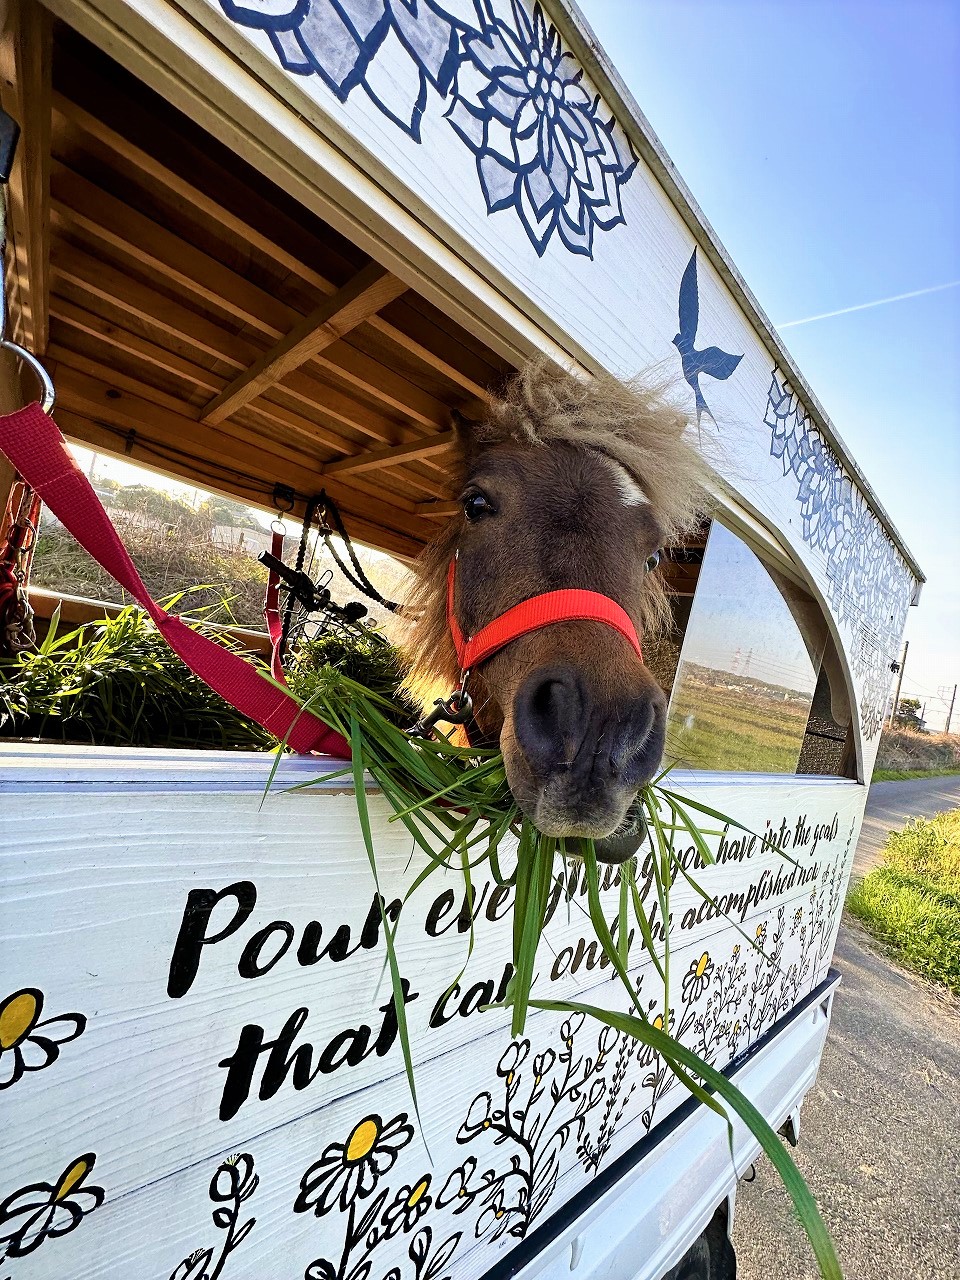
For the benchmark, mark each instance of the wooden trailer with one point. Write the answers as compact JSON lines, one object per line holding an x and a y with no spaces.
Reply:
{"x":276,"y":242}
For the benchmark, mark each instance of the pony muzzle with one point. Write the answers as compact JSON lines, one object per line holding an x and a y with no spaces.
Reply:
{"x":579,"y":758}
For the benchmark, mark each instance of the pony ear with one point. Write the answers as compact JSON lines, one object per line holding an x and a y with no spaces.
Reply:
{"x":465,"y":429}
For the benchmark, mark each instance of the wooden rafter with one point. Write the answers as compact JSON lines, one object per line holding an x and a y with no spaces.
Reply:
{"x":446,"y":363}
{"x":26,"y":76}
{"x":363,"y":296}
{"x":399,"y":453}
{"x":438,"y":510}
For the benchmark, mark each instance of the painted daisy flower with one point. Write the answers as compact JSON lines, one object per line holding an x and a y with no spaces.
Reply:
{"x":47,"y":1209}
{"x":407,"y":1207}
{"x":697,"y":978}
{"x":350,"y":1170}
{"x":648,"y":1054}
{"x":26,"y":1043}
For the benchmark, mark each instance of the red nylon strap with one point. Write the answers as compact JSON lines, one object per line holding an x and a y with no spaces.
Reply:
{"x":271,"y":611}
{"x":34,"y":445}
{"x":530,"y":615}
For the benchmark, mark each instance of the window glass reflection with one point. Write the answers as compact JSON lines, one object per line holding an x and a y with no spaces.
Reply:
{"x":748,"y":666}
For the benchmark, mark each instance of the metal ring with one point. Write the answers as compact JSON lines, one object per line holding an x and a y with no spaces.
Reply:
{"x":46,"y":384}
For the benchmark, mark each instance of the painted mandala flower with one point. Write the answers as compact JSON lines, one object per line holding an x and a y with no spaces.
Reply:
{"x":348,"y":1171}
{"x":342,"y":41}
{"x":47,"y":1209}
{"x":407,"y":1207}
{"x":544,"y":144}
{"x":26,"y":1043}
{"x":697,"y":978}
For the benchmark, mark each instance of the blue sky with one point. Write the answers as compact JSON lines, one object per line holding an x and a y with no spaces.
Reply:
{"x":822,"y":141}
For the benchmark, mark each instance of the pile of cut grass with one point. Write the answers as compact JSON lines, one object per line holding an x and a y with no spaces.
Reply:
{"x":911,"y":902}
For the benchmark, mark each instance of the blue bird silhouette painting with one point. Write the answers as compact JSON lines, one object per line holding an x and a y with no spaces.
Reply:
{"x":711,"y":360}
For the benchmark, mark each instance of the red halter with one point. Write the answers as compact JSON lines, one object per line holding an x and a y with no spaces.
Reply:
{"x":531,"y":615}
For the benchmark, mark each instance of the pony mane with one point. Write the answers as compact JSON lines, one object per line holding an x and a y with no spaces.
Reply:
{"x":633,"y":421}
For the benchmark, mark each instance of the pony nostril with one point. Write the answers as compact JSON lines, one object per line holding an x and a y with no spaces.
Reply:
{"x":549,"y":720}
{"x":635,"y":733}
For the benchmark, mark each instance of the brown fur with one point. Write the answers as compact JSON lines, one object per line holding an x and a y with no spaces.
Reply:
{"x":543,"y":421}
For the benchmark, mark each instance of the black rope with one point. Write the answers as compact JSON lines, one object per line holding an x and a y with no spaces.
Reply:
{"x":359,"y":579}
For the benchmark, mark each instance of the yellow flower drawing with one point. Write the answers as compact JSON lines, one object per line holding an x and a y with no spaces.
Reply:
{"x":47,"y":1209}
{"x":26,"y":1042}
{"x":407,"y":1207}
{"x":697,"y":978}
{"x":348,"y":1171}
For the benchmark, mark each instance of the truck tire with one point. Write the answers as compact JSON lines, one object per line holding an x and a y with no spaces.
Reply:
{"x":711,"y":1256}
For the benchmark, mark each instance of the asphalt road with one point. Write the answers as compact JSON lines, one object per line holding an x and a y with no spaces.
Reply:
{"x":891,"y":804}
{"x":880,"y":1139}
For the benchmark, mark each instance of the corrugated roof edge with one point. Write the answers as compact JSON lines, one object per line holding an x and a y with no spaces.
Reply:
{"x":584,"y":44}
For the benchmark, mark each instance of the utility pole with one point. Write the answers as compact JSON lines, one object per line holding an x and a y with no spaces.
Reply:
{"x":896,"y":700}
{"x":950,"y":712}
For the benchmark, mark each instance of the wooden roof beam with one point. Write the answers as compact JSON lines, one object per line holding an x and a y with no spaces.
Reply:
{"x":399,"y":453}
{"x":438,"y":510}
{"x":361,"y":297}
{"x":27,"y":64}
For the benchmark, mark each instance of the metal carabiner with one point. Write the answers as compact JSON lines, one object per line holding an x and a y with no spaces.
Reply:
{"x":49,"y":396}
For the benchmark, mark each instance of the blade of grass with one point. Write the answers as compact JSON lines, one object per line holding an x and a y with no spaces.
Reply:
{"x":803,"y":1202}
{"x":363,"y":813}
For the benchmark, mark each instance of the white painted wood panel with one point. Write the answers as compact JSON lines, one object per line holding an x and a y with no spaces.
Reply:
{"x":105,"y":862}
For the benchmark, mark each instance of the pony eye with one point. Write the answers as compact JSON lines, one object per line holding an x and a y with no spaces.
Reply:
{"x":476,"y":505}
{"x":651,"y":562}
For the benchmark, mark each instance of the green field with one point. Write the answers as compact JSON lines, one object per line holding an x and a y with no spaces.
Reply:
{"x":911,"y":902}
{"x":722,"y":721}
{"x":902,"y":775}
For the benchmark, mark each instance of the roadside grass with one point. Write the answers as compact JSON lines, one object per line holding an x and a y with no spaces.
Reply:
{"x":911,"y":902}
{"x":902,"y":775}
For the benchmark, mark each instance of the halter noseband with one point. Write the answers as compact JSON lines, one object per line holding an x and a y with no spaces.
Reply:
{"x":531,"y":615}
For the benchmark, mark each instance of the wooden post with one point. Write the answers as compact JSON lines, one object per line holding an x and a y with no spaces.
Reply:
{"x":896,"y":700}
{"x":953,"y":699}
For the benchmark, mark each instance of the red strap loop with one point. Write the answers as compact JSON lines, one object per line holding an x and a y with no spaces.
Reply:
{"x":271,"y":610}
{"x":530,"y":615}
{"x":31,"y":440}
